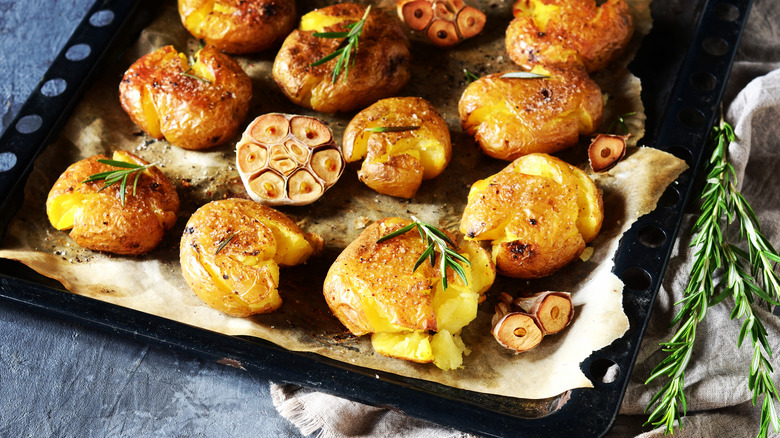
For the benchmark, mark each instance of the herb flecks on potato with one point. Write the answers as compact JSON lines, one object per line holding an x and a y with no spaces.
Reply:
{"x":381,"y":62}
{"x":403,"y":141}
{"x":193,"y":105}
{"x":231,"y":251}
{"x":372,"y":287}
{"x":238,"y":26}
{"x":539,"y":212}
{"x":286,"y":159}
{"x":122,"y":219}
{"x":511,"y":117}
{"x":568,"y":32}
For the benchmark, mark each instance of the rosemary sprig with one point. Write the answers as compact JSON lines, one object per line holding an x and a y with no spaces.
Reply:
{"x":722,"y":204}
{"x":436,"y":240}
{"x":392,"y":128}
{"x":121,"y":176}
{"x":190,"y":75}
{"x":346,"y":49}
{"x":224,"y":242}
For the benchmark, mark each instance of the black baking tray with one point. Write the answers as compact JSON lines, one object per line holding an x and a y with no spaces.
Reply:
{"x":684,"y":65}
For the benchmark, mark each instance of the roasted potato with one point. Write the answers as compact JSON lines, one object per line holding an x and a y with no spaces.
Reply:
{"x":414,"y":147}
{"x":192,"y":105}
{"x":128,"y":222}
{"x":231,"y":251}
{"x":380,"y":69}
{"x":238,"y":26}
{"x":373,"y":288}
{"x":568,"y":32}
{"x":538,"y":212}
{"x":511,"y":117}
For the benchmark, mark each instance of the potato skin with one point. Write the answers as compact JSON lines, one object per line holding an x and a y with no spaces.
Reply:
{"x":381,"y":69}
{"x":214,"y":270}
{"x":238,"y":26}
{"x":101,"y":222}
{"x":390,"y":167}
{"x":510,"y":118}
{"x":383,"y":270}
{"x":189,"y":112}
{"x":576,"y":31}
{"x":538,"y":223}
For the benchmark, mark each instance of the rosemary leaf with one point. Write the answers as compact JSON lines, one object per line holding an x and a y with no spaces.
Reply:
{"x":346,"y":49}
{"x":121,"y":175}
{"x":436,"y":240}
{"x":523,"y":75}
{"x":392,"y":128}
{"x":224,"y":242}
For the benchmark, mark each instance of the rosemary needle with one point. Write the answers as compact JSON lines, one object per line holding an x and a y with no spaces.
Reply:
{"x":722,"y":204}
{"x":436,"y":240}
{"x":346,"y":50}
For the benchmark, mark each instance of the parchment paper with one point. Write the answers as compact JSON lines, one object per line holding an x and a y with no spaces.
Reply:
{"x":153,"y":283}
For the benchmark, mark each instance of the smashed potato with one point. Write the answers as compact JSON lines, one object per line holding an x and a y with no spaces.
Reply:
{"x":231,"y":251}
{"x":511,"y":117}
{"x":97,"y":216}
{"x":568,"y":32}
{"x":539,"y":212}
{"x":373,"y":288}
{"x":238,"y":26}
{"x":192,"y":105}
{"x":414,"y":146}
{"x":381,"y":63}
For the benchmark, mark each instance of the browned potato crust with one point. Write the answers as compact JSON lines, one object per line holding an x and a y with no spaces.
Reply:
{"x":381,"y":64}
{"x":568,"y":31}
{"x":192,"y":106}
{"x":539,"y":212}
{"x":99,"y":220}
{"x":514,"y":117}
{"x":231,"y":251}
{"x":238,"y":26}
{"x":396,"y":163}
{"x":385,"y":269}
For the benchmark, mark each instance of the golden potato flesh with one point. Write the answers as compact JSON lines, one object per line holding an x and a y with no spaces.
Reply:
{"x":539,"y":212}
{"x":512,"y":117}
{"x":231,"y":251}
{"x":372,"y":288}
{"x":568,"y":32}
{"x":96,"y":215}
{"x":193,"y":106}
{"x":398,"y":160}
{"x":380,"y":69}
{"x":238,"y":26}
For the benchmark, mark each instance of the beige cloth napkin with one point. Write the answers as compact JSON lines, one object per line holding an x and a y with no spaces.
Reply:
{"x":716,"y":379}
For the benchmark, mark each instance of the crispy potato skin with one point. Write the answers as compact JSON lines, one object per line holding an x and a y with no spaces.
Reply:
{"x":510,"y":118}
{"x":383,"y":271}
{"x":239,"y":278}
{"x":381,"y":69}
{"x":396,"y":163}
{"x":238,"y":26}
{"x":568,"y":31}
{"x":538,"y":223}
{"x":188,"y":112}
{"x":100,"y":221}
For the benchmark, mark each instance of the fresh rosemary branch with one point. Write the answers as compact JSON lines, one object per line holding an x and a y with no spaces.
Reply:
{"x":722,"y":204}
{"x":345,"y":50}
{"x":112,"y":177}
{"x":436,"y":240}
{"x":392,"y":128}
